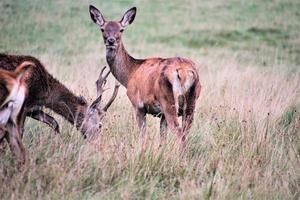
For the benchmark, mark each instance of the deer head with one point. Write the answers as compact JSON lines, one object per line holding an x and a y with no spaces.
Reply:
{"x":91,"y":123}
{"x":112,"y":30}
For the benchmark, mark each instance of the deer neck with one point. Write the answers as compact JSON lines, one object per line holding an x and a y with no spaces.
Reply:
{"x":121,"y":64}
{"x":73,"y":108}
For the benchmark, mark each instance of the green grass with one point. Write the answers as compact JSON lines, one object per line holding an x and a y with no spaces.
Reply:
{"x":244,"y":143}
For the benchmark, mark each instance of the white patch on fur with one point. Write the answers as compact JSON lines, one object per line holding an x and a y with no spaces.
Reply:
{"x":16,"y":98}
{"x":189,"y":81}
{"x":141,"y":104}
{"x":5,"y":113}
{"x":180,"y":90}
{"x":177,"y":89}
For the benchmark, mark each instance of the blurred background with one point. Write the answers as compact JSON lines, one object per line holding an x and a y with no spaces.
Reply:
{"x":244,"y":143}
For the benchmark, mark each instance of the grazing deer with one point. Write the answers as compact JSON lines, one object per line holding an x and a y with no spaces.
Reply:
{"x":163,"y":87}
{"x":11,"y":106}
{"x":45,"y":91}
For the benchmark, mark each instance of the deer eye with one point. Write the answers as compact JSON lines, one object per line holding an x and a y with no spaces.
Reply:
{"x":102,"y":30}
{"x":121,"y":30}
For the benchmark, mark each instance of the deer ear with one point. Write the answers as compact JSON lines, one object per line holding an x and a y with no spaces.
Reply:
{"x":96,"y":16}
{"x":128,"y":17}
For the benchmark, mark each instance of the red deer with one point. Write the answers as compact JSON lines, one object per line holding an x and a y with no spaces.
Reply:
{"x":45,"y":91}
{"x":11,"y":106}
{"x":163,"y":87}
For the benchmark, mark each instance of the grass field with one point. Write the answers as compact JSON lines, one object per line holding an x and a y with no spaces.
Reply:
{"x":245,"y":141}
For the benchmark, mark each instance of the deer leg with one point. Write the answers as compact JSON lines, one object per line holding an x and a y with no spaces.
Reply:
{"x":170,"y":114}
{"x":188,"y":120}
{"x":40,"y":115}
{"x":188,"y":115}
{"x":21,"y":122}
{"x":3,"y":146}
{"x":141,"y":120}
{"x":3,"y":132}
{"x":15,"y":143}
{"x":163,"y":130}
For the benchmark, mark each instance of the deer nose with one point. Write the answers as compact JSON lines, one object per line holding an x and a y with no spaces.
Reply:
{"x":111,"y":40}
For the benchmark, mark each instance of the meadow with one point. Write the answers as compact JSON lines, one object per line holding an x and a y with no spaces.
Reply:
{"x":245,"y":140}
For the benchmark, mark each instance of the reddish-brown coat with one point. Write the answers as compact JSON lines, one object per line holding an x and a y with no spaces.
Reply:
{"x":11,"y":106}
{"x":153,"y":73}
{"x":162,"y":87}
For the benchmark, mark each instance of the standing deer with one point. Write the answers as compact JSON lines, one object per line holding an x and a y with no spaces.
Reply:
{"x":163,"y":87}
{"x":11,"y":106}
{"x":46,"y":91}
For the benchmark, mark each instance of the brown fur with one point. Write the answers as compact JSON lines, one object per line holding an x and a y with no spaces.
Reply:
{"x":11,"y":129}
{"x":167,"y":88}
{"x":40,"y":90}
{"x":45,"y":91}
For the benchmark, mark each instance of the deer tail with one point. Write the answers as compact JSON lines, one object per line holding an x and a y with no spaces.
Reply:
{"x":181,"y":81}
{"x":23,"y":71}
{"x":15,"y":81}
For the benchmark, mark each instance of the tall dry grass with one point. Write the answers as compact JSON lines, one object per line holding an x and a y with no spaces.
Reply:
{"x":244,"y":144}
{"x":245,"y":141}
